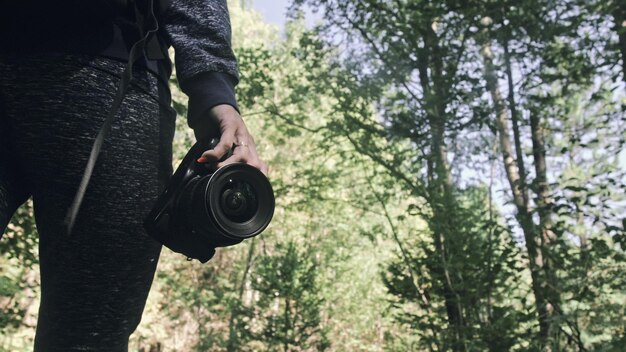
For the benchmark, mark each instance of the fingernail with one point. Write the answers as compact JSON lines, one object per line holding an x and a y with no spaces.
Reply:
{"x":202,"y":160}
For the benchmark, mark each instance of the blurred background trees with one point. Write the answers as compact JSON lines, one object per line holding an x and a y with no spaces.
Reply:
{"x":449,"y":177}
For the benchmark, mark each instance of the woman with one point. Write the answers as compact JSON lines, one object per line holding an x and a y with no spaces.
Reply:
{"x":60,"y":67}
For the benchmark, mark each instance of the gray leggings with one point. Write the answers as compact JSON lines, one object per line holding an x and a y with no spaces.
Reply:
{"x":94,"y":284}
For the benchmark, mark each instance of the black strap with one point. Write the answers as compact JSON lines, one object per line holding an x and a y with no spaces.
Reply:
{"x":136,"y":51}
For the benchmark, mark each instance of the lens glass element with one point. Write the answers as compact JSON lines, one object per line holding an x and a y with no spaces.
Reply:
{"x":238,"y":200}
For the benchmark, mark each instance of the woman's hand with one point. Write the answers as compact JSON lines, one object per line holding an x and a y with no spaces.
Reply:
{"x":234,"y":134}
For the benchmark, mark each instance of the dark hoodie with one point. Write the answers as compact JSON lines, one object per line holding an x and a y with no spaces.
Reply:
{"x":199,"y":31}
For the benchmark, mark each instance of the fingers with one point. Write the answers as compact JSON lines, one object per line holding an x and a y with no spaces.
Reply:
{"x":243,"y":150}
{"x":233,"y":134}
{"x":245,"y":153}
{"x":227,"y":140}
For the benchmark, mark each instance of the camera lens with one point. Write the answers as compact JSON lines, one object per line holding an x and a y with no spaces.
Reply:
{"x":238,"y":201}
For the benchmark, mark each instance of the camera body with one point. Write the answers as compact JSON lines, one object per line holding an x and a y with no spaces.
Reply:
{"x":202,"y":209}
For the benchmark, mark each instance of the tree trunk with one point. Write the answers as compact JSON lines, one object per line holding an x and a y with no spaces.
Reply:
{"x":233,"y":342}
{"x":619,"y":17}
{"x":544,"y":207}
{"x":441,"y":195}
{"x":520,"y":197}
{"x":515,"y":122}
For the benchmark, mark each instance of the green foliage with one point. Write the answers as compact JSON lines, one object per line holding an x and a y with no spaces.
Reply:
{"x":417,"y":63}
{"x":290,"y":302}
{"x":20,"y":240}
{"x":18,"y":271}
{"x":487,"y":260}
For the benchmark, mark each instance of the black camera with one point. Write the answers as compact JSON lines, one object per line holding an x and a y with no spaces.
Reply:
{"x":203,"y":209}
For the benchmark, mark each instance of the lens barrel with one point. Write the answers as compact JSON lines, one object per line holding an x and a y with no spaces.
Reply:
{"x":234,"y":203}
{"x":239,"y":200}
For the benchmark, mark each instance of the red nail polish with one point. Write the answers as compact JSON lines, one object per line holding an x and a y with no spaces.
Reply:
{"x":202,"y":160}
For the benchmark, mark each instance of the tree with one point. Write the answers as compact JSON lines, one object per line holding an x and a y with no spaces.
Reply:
{"x":288,"y":311}
{"x":411,"y":60}
{"x":423,"y":66}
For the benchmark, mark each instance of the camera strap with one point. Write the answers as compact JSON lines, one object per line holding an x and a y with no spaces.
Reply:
{"x":147,"y":21}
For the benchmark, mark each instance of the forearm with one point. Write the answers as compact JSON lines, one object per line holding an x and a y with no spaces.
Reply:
{"x":206,"y":68}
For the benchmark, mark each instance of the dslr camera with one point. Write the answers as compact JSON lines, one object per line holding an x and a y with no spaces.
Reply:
{"x":202,"y":209}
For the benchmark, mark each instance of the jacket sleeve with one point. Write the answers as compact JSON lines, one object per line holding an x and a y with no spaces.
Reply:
{"x":206,"y":67}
